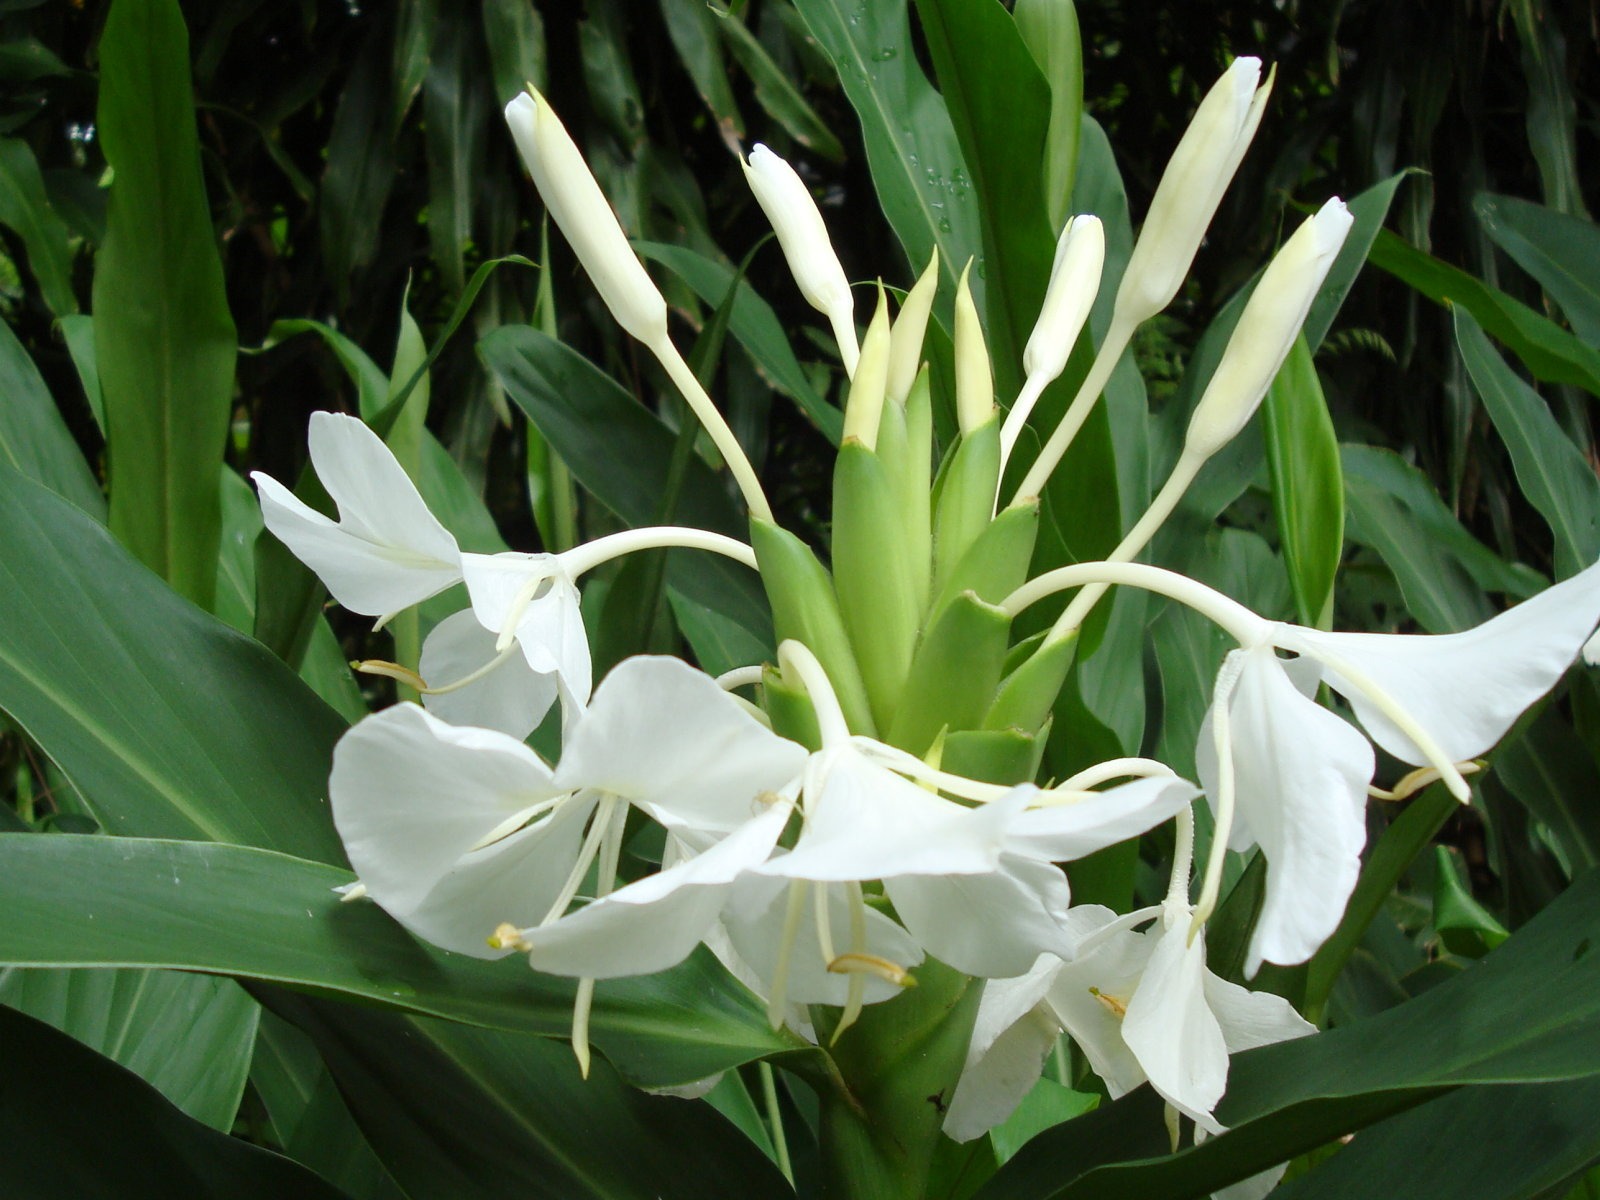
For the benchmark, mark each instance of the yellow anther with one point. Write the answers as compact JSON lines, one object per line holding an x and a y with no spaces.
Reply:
{"x":1414,"y":781}
{"x":855,"y":962}
{"x":377,"y":666}
{"x":507,"y":936}
{"x":1117,"y":1007}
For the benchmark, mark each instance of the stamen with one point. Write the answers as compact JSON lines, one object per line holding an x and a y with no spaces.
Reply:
{"x":1114,"y":1004}
{"x":872,"y":964}
{"x":389,"y":670}
{"x":351,"y":891}
{"x":526,"y":595}
{"x":1118,"y":768}
{"x":516,"y":821}
{"x":507,"y":936}
{"x":778,"y":991}
{"x":500,"y":659}
{"x":819,"y":896}
{"x":1414,"y":781}
{"x":598,"y":827}
{"x":855,"y":994}
{"x":581,"y":1004}
{"x":909,"y":765}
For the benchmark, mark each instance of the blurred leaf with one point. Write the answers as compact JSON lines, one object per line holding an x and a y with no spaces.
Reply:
{"x":236,"y":563}
{"x":1528,"y":1012}
{"x":776,"y":94}
{"x":169,"y":722}
{"x":694,"y":35}
{"x":187,"y":1036}
{"x":164,"y":339}
{"x":372,"y":385}
{"x":1369,"y":209}
{"x":513,"y":30}
{"x":33,"y":437}
{"x":754,"y":324}
{"x":1549,"y":770}
{"x":361,"y":168}
{"x":79,"y":1125}
{"x":1464,"y":926}
{"x":1551,"y":354}
{"x":619,"y":451}
{"x":1307,"y":486}
{"x":26,"y":209}
{"x":416,"y":23}
{"x":1050,"y":31}
{"x":455,"y":116}
{"x":22,"y":60}
{"x":78,"y":331}
{"x":261,"y":915}
{"x":1554,"y":474}
{"x":1562,"y":253}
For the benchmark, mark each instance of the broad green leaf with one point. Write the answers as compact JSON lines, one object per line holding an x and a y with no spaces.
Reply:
{"x":619,"y":451}
{"x":1000,"y":131}
{"x":188,"y":1036}
{"x":754,"y":324}
{"x":170,"y":723}
{"x":1529,"y":1012}
{"x":1464,"y":926}
{"x":79,"y":1125}
{"x":1307,"y":488}
{"x":259,"y":915}
{"x":1555,"y":476}
{"x":26,"y":209}
{"x":776,"y":93}
{"x":481,"y":1112}
{"x":164,"y":339}
{"x":1561,"y":252}
{"x":1551,"y":354}
{"x":917,"y":166}
{"x":33,"y":438}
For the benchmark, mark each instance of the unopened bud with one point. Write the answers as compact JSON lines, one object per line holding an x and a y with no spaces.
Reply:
{"x":1074,"y":282}
{"x":864,"y":409}
{"x":905,"y":344}
{"x":1191,"y":188}
{"x":581,"y":212}
{"x":1266,"y":330}
{"x":974,"y":384}
{"x":804,"y":238}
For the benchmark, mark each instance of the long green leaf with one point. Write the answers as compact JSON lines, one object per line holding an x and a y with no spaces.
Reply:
{"x":164,"y":340}
{"x":1561,"y":252}
{"x":26,"y":209}
{"x":33,"y":437}
{"x":170,"y":723}
{"x":264,"y":916}
{"x":1307,"y":488}
{"x":776,"y":93}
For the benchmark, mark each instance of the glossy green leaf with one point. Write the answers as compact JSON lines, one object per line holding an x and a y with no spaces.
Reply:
{"x":1307,"y":488}
{"x":1464,"y":926}
{"x":170,"y":723}
{"x":164,"y":339}
{"x":260,"y":915}
{"x":189,"y":1036}
{"x":1528,"y":1012}
{"x":953,"y":677}
{"x":1561,"y":252}
{"x":33,"y":438}
{"x":79,"y":1125}
{"x":1549,"y":769}
{"x":26,"y":209}
{"x":776,"y":93}
{"x":1555,"y":475}
{"x":620,"y":451}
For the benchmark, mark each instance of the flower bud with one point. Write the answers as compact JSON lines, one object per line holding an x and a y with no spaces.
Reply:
{"x":1191,"y":188}
{"x":804,"y":238}
{"x":864,"y":409}
{"x":581,"y":212}
{"x":905,"y":344}
{"x":1074,"y":283}
{"x":1267,"y":329}
{"x":974,"y":384}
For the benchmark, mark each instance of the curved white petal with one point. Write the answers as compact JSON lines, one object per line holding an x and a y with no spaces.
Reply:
{"x":1250,"y":1019}
{"x":1465,"y":689}
{"x":510,"y":698}
{"x":1086,"y":996}
{"x":533,"y":592}
{"x":655,"y":922}
{"x":1300,"y":779}
{"x":991,"y":1086}
{"x":994,"y":925}
{"x":665,"y":736}
{"x":1170,"y":1028}
{"x":387,"y":551}
{"x":1063,"y":832}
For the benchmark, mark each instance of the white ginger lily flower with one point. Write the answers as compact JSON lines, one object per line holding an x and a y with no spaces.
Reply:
{"x":1140,"y":1005}
{"x":387,"y":551}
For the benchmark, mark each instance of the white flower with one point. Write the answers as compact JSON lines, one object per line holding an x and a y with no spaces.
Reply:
{"x":387,"y":551}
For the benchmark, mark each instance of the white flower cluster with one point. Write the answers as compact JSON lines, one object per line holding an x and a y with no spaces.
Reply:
{"x":825,"y":876}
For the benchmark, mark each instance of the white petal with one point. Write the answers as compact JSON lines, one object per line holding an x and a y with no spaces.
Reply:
{"x":511,"y":698}
{"x":1063,"y":832}
{"x":1250,"y":1019}
{"x":1111,"y":970}
{"x":549,"y":626}
{"x":991,"y":1087}
{"x":995,"y":925}
{"x":1465,"y":689}
{"x":1170,"y":1028}
{"x":654,"y":923}
{"x":669,"y":739}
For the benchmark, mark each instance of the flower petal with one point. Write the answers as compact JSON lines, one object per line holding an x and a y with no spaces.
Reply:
{"x":1085,"y":997}
{"x":511,"y":698}
{"x":995,"y":925}
{"x":1465,"y":688}
{"x":991,"y":1086}
{"x":1171,"y":1029}
{"x":1063,"y":832}
{"x":1250,"y":1019}
{"x":533,"y":591}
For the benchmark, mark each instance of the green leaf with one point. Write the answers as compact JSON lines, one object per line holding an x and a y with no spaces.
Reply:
{"x":1307,"y":488}
{"x":189,"y":1036}
{"x":264,"y":916}
{"x":1561,"y":252}
{"x":416,"y":24}
{"x":33,"y":437}
{"x":164,"y":340}
{"x":1548,"y":768}
{"x":1050,"y":31}
{"x":1464,"y":926}
{"x":78,"y":332}
{"x":26,"y":209}
{"x":620,"y":451}
{"x":455,"y":112}
{"x":1529,"y":1012}
{"x":170,"y":723}
{"x":1369,"y":209}
{"x":361,"y":167}
{"x":1551,"y":354}
{"x":776,"y":94}
{"x":514,"y":33}
{"x":694,"y":35}
{"x":1555,"y":476}
{"x":79,"y":1125}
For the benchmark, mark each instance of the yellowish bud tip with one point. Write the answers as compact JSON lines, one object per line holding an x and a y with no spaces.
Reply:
{"x":910,"y":328}
{"x":507,"y":936}
{"x":863,"y":410}
{"x":974,"y":383}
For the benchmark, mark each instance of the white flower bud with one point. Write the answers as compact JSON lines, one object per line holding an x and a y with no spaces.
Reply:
{"x":974,"y":383}
{"x":1191,"y":188}
{"x":581,"y":212}
{"x":1267,"y":329}
{"x":804,"y":238}
{"x":1074,"y":283}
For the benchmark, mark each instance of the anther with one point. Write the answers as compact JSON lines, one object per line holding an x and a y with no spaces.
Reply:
{"x":507,"y":936}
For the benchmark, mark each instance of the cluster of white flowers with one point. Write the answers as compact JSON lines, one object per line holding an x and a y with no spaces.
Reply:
{"x":824,"y":876}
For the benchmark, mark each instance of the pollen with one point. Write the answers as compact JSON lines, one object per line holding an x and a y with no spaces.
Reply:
{"x":1117,"y":1007}
{"x":508,"y":937}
